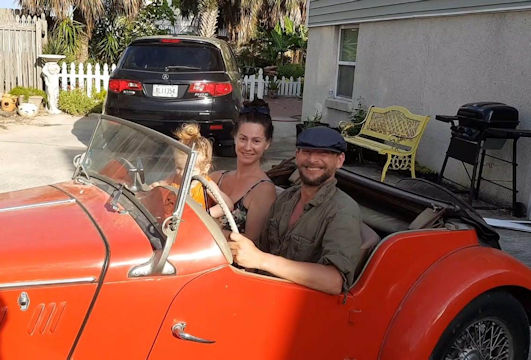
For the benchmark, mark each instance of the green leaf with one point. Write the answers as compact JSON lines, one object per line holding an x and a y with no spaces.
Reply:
{"x":289,"y":27}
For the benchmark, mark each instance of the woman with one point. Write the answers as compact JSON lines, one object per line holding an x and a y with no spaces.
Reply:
{"x":249,"y":188}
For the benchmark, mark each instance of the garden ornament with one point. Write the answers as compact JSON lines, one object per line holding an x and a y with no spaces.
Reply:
{"x":50,"y":72}
{"x":27,"y":110}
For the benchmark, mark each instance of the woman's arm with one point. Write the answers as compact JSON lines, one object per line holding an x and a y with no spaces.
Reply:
{"x":216,"y":211}
{"x":260,"y":200}
{"x":214,"y":177}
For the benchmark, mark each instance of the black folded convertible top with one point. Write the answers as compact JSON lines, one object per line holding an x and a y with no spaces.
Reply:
{"x":410,"y":196}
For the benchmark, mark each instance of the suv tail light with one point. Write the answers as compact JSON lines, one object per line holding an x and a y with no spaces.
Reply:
{"x":119,"y":85}
{"x":212,"y":88}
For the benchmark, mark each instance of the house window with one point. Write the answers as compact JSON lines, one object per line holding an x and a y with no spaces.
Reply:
{"x":348,"y":45}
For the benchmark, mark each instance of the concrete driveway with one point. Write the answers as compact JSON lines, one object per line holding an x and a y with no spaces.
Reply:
{"x":40,"y":151}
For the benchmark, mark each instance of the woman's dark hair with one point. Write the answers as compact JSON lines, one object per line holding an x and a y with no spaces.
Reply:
{"x":256,"y":111}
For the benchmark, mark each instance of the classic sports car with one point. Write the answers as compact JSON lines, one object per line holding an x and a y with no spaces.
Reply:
{"x":109,"y":266}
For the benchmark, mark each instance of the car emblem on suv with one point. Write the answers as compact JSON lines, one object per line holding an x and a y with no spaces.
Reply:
{"x":165,"y":76}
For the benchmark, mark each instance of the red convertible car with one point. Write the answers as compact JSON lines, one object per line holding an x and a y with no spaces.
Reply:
{"x":107,"y":266}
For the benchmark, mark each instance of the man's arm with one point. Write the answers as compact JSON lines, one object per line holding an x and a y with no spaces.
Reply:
{"x":320,"y":277}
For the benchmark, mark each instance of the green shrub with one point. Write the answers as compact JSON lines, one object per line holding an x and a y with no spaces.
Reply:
{"x":99,"y":96}
{"x":77,"y":102}
{"x":295,"y":70}
{"x":27,"y":92}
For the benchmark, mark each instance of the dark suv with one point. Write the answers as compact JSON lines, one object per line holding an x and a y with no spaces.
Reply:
{"x":163,"y":81}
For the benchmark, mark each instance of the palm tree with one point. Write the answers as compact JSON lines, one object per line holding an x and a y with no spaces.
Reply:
{"x":86,"y":12}
{"x":243,"y":17}
{"x":249,"y":20}
{"x":266,"y":13}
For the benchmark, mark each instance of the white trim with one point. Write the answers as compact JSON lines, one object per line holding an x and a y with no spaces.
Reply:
{"x":418,"y":16}
{"x":43,"y":204}
{"x":88,"y":279}
{"x":350,"y":63}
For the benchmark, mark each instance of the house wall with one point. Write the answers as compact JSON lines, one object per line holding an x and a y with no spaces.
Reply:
{"x":333,"y":12}
{"x":432,"y":66}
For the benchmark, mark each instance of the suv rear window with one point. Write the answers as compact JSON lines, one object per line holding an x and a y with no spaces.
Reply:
{"x":180,"y":57}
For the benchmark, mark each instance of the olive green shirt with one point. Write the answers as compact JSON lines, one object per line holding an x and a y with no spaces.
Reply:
{"x":327,"y":232}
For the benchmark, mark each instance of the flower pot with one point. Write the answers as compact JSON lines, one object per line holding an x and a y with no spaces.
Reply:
{"x":273,"y":93}
{"x":9,"y":102}
{"x":35,"y":100}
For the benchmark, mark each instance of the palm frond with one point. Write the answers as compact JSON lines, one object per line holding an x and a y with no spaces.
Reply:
{"x":59,"y":8}
{"x":208,"y":12}
{"x":249,"y":19}
{"x":91,"y":10}
{"x":208,"y":23}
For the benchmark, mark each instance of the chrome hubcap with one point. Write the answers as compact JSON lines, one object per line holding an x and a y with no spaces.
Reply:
{"x":487,"y":339}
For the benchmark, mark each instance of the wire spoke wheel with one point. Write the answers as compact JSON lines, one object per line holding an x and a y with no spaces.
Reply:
{"x":493,"y":326}
{"x":488,"y":339}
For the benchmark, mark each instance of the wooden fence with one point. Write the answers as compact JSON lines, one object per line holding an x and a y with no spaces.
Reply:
{"x":258,"y":85}
{"x":21,"y":42}
{"x":94,"y":78}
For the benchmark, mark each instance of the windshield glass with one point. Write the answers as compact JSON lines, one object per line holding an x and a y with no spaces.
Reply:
{"x":140,"y":160}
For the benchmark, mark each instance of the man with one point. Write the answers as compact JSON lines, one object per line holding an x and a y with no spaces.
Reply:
{"x":312,"y":235}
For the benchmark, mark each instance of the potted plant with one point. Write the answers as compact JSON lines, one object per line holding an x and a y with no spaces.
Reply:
{"x":356,"y":119}
{"x":273,"y":89}
{"x":28,"y":94}
{"x":311,"y":121}
{"x":351,"y":128}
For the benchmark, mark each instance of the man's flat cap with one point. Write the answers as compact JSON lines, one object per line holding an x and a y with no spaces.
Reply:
{"x":321,"y":137}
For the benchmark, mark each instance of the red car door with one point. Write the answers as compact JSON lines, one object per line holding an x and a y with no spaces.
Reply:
{"x":250,"y":316}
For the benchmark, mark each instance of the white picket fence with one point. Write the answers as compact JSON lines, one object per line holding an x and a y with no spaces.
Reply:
{"x":96,"y":78}
{"x":258,"y":86}
{"x":90,"y":79}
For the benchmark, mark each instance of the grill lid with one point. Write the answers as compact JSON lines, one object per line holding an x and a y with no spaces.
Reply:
{"x":483,"y":115}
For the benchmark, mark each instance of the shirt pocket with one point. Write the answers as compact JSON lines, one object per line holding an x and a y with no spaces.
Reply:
{"x":303,"y":248}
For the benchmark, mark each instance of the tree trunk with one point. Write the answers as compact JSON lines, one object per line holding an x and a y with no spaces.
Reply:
{"x":208,"y":21}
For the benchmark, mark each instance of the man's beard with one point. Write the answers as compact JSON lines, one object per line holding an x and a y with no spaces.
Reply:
{"x":317,"y":181}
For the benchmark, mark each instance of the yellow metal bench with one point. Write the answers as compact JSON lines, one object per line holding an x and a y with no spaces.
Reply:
{"x":393,"y":131}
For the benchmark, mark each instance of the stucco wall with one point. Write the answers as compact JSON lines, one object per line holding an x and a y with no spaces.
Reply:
{"x":320,"y":68}
{"x":432,"y":66}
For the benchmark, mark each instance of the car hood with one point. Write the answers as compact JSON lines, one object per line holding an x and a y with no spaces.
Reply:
{"x":46,"y":237}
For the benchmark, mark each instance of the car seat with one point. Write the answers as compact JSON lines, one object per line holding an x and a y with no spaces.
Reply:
{"x":369,"y":240}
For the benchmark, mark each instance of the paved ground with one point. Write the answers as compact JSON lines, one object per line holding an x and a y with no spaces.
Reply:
{"x":40,"y":151}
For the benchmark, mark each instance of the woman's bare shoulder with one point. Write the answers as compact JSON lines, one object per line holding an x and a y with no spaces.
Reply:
{"x":216,"y":175}
{"x":264,"y":191}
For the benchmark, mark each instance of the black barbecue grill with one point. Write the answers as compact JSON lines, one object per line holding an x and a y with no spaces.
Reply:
{"x":479,"y":127}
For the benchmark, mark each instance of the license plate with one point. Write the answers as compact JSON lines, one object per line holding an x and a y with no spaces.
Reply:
{"x":166,"y":90}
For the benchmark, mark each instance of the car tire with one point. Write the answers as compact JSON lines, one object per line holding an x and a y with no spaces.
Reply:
{"x":226,"y":151}
{"x":495,"y":316}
